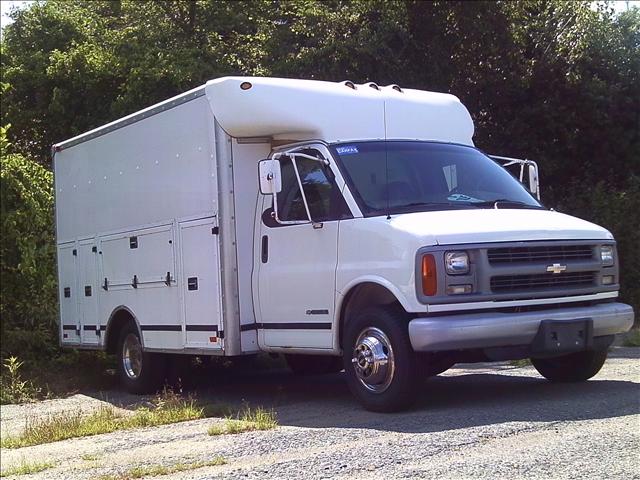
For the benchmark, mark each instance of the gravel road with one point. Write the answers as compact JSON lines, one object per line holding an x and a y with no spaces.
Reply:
{"x":474,"y":421}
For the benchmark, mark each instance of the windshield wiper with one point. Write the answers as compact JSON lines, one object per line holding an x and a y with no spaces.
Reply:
{"x":433,"y":204}
{"x":429,"y":205}
{"x":498,"y":201}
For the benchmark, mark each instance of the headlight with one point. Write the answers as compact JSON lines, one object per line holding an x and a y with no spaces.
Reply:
{"x":456,"y":263}
{"x":606,"y":255}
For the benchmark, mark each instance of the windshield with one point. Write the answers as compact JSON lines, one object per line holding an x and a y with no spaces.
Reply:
{"x":399,"y":177}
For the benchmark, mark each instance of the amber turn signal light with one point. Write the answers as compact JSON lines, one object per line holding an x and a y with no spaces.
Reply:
{"x":429,"y":277}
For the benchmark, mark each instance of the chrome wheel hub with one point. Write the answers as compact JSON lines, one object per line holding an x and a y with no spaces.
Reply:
{"x":132,"y":356}
{"x":373,"y":360}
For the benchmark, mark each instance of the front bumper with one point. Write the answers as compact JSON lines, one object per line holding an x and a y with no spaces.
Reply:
{"x":503,"y":329}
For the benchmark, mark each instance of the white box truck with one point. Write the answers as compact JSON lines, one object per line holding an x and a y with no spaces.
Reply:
{"x":345,"y":226}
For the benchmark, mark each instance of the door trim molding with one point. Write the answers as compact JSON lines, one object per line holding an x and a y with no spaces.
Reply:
{"x":287,"y":326}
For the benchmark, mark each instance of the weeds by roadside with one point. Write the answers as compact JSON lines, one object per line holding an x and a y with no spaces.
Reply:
{"x":27,"y":378}
{"x":26,"y":468}
{"x":13,"y":389}
{"x":160,"y":470}
{"x":248,"y":420}
{"x":632,"y":338}
{"x":523,"y":362}
{"x":167,"y":408}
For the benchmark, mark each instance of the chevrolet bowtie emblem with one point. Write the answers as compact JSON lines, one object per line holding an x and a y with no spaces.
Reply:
{"x":556,"y":268}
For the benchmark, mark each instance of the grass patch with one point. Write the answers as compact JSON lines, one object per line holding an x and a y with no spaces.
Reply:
{"x":632,"y":339}
{"x":159,"y":470}
{"x":168,"y":408}
{"x":523,"y":362}
{"x":26,"y":468}
{"x":248,"y":420}
{"x":89,"y":457}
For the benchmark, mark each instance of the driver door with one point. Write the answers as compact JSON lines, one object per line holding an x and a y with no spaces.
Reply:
{"x":297,"y":262}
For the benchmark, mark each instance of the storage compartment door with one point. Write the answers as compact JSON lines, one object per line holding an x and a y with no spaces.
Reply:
{"x":68,"y":293}
{"x":201,"y":283}
{"x":144,"y":258}
{"x":88,"y":292}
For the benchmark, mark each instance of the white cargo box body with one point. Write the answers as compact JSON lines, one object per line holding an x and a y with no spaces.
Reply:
{"x":155,"y":212}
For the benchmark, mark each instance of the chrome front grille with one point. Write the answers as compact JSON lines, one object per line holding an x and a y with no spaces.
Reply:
{"x":543,"y":281}
{"x":549,"y":254}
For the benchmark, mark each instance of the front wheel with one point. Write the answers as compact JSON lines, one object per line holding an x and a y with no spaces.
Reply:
{"x":574,"y":367}
{"x":379,"y":361}
{"x":140,"y":371}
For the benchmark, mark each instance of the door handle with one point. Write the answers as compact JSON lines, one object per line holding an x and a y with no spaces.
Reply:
{"x":265,"y":249}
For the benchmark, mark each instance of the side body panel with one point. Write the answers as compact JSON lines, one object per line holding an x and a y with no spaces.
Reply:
{"x":88,"y":292}
{"x":138,"y":204}
{"x":201,"y":289}
{"x":376,"y":250}
{"x":246,"y":155}
{"x":70,"y":328}
{"x":157,"y":169}
{"x":139,"y":270}
{"x":296,"y":285}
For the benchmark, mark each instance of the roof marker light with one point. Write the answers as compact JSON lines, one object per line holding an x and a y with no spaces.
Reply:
{"x":245,"y":85}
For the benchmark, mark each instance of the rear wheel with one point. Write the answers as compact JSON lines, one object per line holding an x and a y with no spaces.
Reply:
{"x":574,"y":367}
{"x":140,"y":371}
{"x":313,"y":364}
{"x":379,"y":361}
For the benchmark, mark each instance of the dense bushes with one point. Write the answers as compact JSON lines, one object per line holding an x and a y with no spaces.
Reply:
{"x":619,"y":211}
{"x":28,"y":302}
{"x":551,"y":80}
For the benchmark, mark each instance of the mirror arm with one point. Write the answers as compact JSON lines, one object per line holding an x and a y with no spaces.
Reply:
{"x":304,"y":197}
{"x":507,"y":161}
{"x":275,"y":216}
{"x":293,"y":156}
{"x":324,"y":161}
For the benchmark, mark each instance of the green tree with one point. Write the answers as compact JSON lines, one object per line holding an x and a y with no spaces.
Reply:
{"x":550,"y":80}
{"x":27,"y":251}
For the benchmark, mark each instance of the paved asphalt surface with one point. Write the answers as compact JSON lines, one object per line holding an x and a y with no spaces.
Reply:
{"x":474,"y":421}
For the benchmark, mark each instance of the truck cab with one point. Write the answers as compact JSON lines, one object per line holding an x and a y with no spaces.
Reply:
{"x":441,"y":240}
{"x":344,"y":226}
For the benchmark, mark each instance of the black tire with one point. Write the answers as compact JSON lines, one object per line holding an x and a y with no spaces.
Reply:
{"x":313,"y":364}
{"x":574,"y":367}
{"x":396,"y":390}
{"x":149,"y":376}
{"x":432,"y":367}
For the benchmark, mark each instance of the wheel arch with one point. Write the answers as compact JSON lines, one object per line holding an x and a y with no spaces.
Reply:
{"x":365,"y":293}
{"x":120,"y":316}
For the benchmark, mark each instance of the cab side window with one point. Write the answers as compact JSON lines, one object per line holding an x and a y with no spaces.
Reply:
{"x":324,"y":199}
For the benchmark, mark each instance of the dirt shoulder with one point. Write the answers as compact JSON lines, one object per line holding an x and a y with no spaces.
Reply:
{"x":481,"y":420}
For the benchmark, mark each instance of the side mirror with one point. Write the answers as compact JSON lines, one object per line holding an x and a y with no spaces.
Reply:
{"x":270,"y":176}
{"x":534,"y":186}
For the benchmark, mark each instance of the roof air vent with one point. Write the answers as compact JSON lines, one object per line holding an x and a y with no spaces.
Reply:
{"x":396,"y":88}
{"x":349,"y":84}
{"x":373,"y":85}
